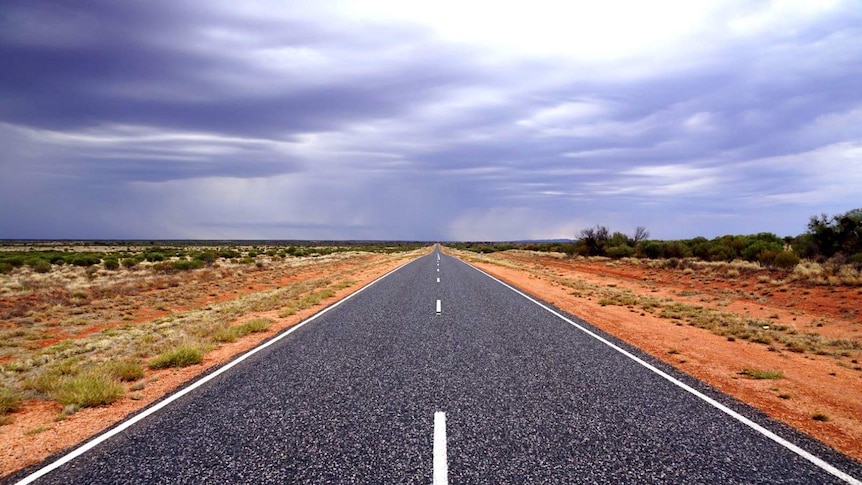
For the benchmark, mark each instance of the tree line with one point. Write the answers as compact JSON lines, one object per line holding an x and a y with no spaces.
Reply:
{"x":836,"y":239}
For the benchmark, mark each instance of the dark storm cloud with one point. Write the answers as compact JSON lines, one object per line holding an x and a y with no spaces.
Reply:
{"x":155,"y":65}
{"x":306,"y":119}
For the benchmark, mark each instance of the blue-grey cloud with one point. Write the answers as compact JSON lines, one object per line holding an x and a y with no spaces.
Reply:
{"x":184,"y":119}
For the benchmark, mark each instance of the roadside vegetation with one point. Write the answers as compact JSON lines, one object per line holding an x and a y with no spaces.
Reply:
{"x":829,"y":252}
{"x":86,"y":324}
{"x":760,"y":269}
{"x":171,"y":256}
{"x":734,"y":326}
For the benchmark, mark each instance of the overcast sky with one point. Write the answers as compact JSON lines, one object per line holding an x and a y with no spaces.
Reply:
{"x":433,"y":120}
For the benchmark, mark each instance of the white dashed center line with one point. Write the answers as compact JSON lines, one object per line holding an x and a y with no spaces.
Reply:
{"x":438,"y":307}
{"x":441,"y":467}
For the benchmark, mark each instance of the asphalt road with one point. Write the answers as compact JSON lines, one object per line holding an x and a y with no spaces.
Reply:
{"x":351,"y":397}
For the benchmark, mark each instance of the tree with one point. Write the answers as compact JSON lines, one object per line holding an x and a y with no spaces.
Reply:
{"x":595,"y":240}
{"x":840,"y":234}
{"x":641,"y":234}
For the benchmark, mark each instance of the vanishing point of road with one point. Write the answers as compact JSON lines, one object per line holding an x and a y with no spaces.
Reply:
{"x":438,"y":373}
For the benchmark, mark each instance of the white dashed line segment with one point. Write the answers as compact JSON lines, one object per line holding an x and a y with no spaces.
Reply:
{"x":441,"y":467}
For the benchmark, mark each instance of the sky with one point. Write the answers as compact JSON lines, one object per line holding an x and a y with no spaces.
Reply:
{"x":443,"y":120}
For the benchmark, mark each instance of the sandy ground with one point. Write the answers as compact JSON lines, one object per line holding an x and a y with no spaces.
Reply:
{"x":35,"y":432}
{"x":829,"y":386}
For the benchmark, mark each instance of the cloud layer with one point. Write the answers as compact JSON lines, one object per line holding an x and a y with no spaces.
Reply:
{"x":384,"y":120}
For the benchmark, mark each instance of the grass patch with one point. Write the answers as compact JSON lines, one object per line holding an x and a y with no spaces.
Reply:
{"x":231,"y":334}
{"x":344,"y":284}
{"x":10,"y":401}
{"x":315,"y":298}
{"x":37,"y":430}
{"x":90,"y":388}
{"x":287,"y":311}
{"x":181,"y":356}
{"x":762,"y":374}
{"x":255,"y":325}
{"x":225,"y":335}
{"x":126,"y":370}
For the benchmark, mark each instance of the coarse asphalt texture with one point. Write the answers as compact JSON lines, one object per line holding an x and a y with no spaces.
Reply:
{"x":529,"y":398}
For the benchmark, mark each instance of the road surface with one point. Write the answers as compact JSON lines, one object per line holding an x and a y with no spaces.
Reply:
{"x":438,"y":373}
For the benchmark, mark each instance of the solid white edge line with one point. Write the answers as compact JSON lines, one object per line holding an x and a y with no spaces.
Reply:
{"x":99,"y":439}
{"x":819,"y":462}
{"x":441,"y":467}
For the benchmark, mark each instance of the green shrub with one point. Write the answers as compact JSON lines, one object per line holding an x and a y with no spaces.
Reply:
{"x":5,"y":267}
{"x":760,"y":247}
{"x":39,"y":265}
{"x":677,"y":249}
{"x":154,"y":257}
{"x":228,"y":254}
{"x":130,"y":262}
{"x":786,"y":260}
{"x":719,"y":252}
{"x":650,"y":249}
{"x":622,"y":251}
{"x":207,"y":257}
{"x":187,"y":265}
{"x":111,"y":264}
{"x":182,"y":356}
{"x":767,"y":258}
{"x":90,"y":388}
{"x":13,"y":260}
{"x":84,"y":260}
{"x":57,"y":258}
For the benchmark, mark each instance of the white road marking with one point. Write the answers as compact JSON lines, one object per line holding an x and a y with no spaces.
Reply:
{"x":438,"y":270}
{"x":438,"y":307}
{"x":173,"y":397}
{"x":441,"y":467}
{"x":815,"y":460}
{"x":438,"y":279}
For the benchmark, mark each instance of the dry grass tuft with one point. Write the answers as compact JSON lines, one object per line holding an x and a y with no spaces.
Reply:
{"x":91,"y":388}
{"x":763,"y":374}
{"x":126,"y":370}
{"x":181,"y":356}
{"x":10,"y":401}
{"x":233,"y":333}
